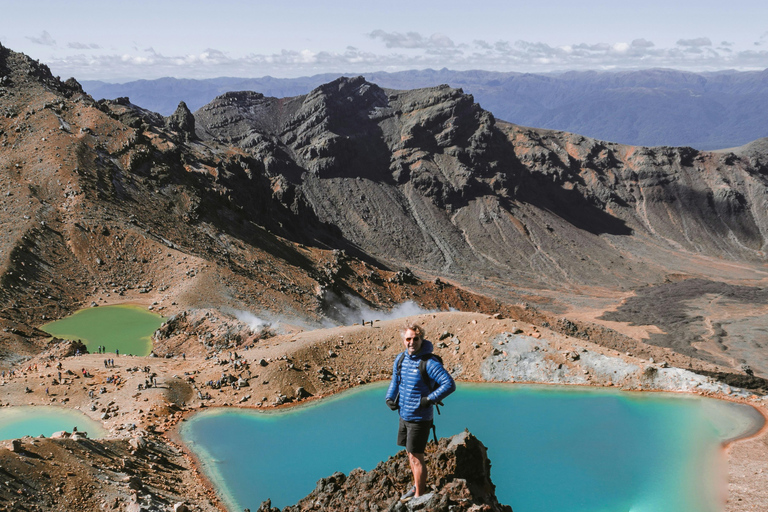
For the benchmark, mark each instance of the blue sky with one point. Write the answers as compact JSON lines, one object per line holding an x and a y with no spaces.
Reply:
{"x":121,"y":41}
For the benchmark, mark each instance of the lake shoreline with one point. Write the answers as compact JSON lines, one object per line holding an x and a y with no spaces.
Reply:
{"x":50,"y":414}
{"x":175,"y":439}
{"x":746,"y":457}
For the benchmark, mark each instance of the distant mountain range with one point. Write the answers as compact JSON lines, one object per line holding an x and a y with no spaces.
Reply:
{"x":654,"y":107}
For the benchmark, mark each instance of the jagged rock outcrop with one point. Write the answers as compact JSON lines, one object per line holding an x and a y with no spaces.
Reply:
{"x":17,"y":68}
{"x":181,"y":121}
{"x":131,"y":115}
{"x":67,"y":472}
{"x":459,"y":471}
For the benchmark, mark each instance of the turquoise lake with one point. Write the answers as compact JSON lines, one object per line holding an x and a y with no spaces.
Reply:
{"x":551,"y":448}
{"x":20,"y":421}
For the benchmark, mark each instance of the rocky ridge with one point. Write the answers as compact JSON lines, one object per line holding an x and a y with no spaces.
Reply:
{"x":650,"y":107}
{"x":431,"y":166}
{"x":429,"y":178}
{"x":460,"y":470}
{"x":73,"y":472}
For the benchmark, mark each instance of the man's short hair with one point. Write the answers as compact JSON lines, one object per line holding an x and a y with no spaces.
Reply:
{"x":418,"y":329}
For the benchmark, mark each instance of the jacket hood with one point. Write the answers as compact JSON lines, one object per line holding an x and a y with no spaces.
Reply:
{"x":426,"y":348}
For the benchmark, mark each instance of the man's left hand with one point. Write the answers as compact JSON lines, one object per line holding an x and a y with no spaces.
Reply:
{"x":425,"y":402}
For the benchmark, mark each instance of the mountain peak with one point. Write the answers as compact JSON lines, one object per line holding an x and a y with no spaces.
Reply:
{"x":20,"y":69}
{"x":181,"y":121}
{"x":345,"y":96}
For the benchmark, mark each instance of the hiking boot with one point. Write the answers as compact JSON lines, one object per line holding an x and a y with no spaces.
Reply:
{"x":409,"y":495}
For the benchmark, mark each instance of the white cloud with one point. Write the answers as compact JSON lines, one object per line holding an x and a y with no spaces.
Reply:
{"x":213,"y":55}
{"x":45,"y":39}
{"x":698,"y":42}
{"x":642,"y":43}
{"x":620,"y":47}
{"x":411,"y":50}
{"x":482,"y":44}
{"x":413,"y":40}
{"x":83,"y":46}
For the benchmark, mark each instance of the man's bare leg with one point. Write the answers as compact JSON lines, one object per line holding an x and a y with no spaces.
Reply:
{"x":419,"y":470}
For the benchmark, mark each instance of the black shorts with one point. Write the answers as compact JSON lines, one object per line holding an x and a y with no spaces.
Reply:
{"x":414,"y":435}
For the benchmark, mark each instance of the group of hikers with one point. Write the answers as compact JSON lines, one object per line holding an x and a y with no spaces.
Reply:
{"x":223,"y":381}
{"x":114,"y":379}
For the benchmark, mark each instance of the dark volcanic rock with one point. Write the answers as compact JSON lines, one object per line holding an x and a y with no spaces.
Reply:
{"x":459,"y":472}
{"x":239,"y":116}
{"x":131,"y":115}
{"x":672,"y":307}
{"x":428,"y":179}
{"x":182,"y":121}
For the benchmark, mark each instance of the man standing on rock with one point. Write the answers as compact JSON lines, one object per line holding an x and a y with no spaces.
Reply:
{"x":419,"y":381}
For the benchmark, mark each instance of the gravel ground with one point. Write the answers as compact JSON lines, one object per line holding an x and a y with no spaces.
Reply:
{"x":520,"y":358}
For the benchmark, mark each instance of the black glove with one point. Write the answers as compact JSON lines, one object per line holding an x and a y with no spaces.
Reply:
{"x":392,"y":404}
{"x":425,"y":402}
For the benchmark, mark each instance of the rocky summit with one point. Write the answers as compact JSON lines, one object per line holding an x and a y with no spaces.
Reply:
{"x":459,"y":467}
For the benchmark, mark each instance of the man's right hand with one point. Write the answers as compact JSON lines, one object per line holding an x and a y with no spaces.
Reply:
{"x":392,"y":404}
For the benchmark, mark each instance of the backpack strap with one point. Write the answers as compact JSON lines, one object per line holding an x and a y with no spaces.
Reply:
{"x":426,"y":379}
{"x":423,"y":369}
{"x":399,"y":365}
{"x":431,"y":385}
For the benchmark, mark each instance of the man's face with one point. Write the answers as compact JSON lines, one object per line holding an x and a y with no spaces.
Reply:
{"x":412,"y":341}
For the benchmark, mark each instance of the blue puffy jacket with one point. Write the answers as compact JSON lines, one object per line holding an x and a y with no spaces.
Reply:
{"x":410,"y":387}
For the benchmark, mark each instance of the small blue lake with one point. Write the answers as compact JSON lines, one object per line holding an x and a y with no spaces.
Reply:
{"x":551,"y":448}
{"x":20,"y":421}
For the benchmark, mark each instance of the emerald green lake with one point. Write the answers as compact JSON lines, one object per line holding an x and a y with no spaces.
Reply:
{"x":20,"y":421}
{"x":125,"y":328}
{"x":551,"y":448}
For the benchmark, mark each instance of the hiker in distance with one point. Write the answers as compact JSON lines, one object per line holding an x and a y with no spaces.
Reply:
{"x":419,"y":381}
